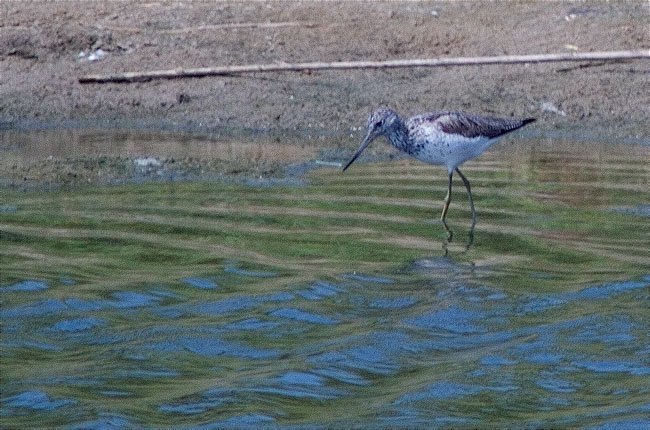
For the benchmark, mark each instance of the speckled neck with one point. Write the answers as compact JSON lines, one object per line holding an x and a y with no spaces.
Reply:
{"x":398,"y":135}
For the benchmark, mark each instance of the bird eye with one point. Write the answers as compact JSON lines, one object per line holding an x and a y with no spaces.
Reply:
{"x":379,"y":123}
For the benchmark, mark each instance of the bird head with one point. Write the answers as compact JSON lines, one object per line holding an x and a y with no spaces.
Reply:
{"x":379,"y":123}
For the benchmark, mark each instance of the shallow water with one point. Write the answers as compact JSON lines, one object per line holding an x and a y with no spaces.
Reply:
{"x":334,"y":303}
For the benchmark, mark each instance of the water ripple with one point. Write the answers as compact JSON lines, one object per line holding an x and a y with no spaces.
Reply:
{"x":202,"y":283}
{"x":78,"y":324}
{"x":303,"y":316}
{"x":452,"y":319}
{"x":35,"y":400}
{"x":26,"y":286}
{"x":215,"y":347}
{"x":502,"y":352}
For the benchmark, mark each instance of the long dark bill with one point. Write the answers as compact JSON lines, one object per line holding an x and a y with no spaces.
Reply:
{"x":363,"y":146}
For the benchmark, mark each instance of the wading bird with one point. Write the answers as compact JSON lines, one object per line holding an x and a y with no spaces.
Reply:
{"x":440,"y":138}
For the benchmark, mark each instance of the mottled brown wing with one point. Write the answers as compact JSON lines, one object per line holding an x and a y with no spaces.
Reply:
{"x":468,"y":125}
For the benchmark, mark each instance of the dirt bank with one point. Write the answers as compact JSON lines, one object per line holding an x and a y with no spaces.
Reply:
{"x":45,"y":48}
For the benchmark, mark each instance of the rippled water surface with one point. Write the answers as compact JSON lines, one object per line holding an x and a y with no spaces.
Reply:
{"x":336,"y":300}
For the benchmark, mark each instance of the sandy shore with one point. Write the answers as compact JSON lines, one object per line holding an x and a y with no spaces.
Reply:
{"x":46,"y":47}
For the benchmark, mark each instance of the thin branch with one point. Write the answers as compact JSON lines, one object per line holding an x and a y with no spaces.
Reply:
{"x":346,"y":65}
{"x":237,"y":25}
{"x":229,"y":26}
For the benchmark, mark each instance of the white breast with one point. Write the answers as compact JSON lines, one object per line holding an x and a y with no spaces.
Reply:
{"x":450,"y":150}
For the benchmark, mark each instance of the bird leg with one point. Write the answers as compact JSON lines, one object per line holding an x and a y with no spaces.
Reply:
{"x":445,"y":208}
{"x":469,"y":193}
{"x":450,"y":236}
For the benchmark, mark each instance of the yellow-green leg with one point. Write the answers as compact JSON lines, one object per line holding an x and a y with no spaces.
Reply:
{"x":469,"y":193}
{"x":445,"y":208}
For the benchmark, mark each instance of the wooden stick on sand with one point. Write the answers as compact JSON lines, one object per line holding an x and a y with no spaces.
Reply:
{"x":346,"y":65}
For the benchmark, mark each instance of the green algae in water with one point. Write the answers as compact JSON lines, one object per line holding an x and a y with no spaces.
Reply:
{"x":332,"y":303}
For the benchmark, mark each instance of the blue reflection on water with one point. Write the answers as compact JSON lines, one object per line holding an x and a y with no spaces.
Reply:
{"x":597,"y":292}
{"x":453,"y":319}
{"x":27,"y":286}
{"x":215,"y":347}
{"x":494,"y":345}
{"x":248,"y":421}
{"x":78,"y":324}
{"x":441,"y":390}
{"x":239,"y":303}
{"x":202,"y":283}
{"x":300,"y":315}
{"x":320,"y":290}
{"x":105,"y":422}
{"x":36,"y":400}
